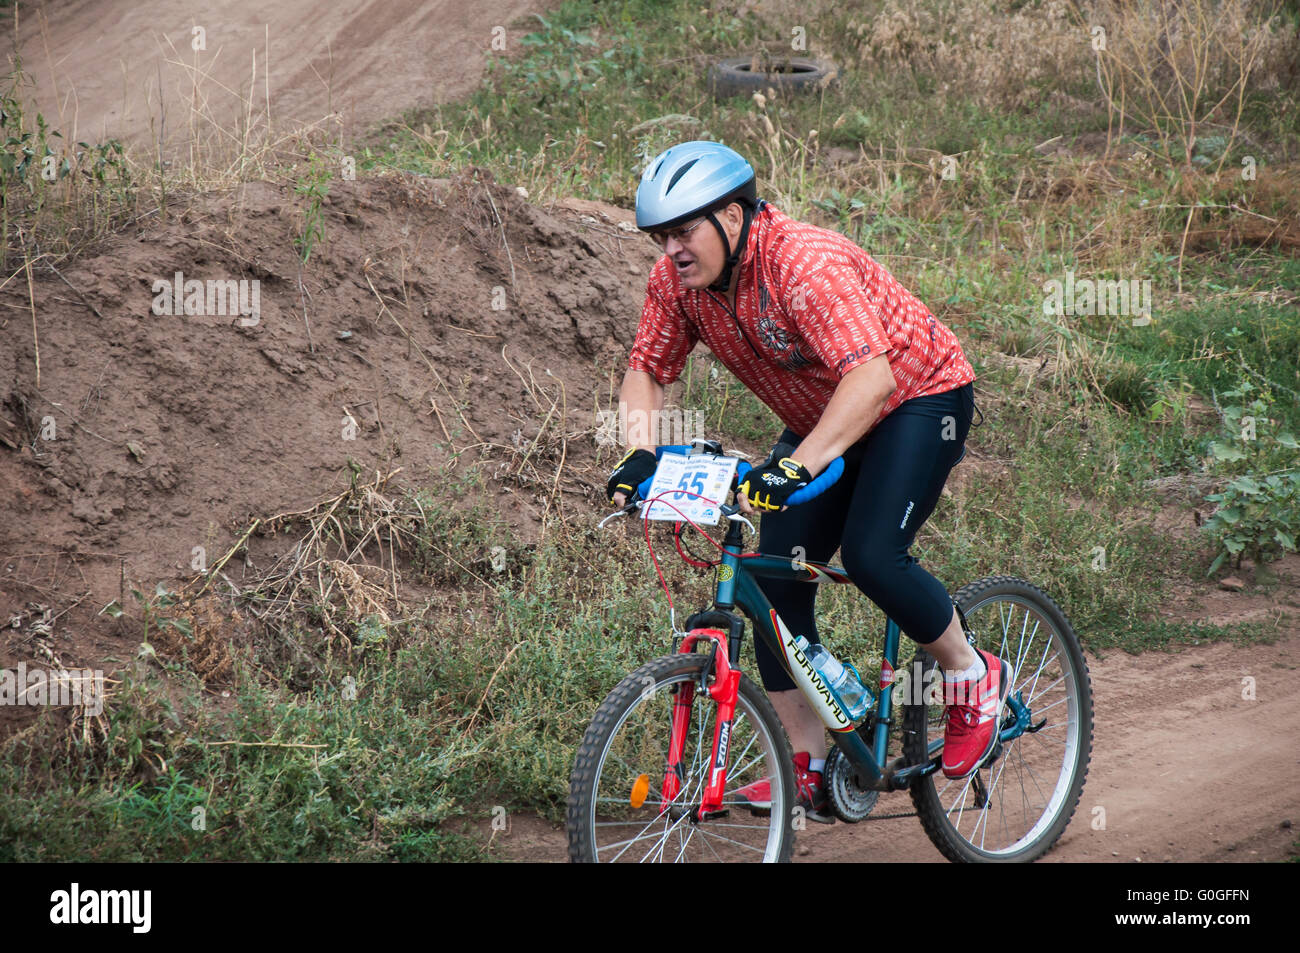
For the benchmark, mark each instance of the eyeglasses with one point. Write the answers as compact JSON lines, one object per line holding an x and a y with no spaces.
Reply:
{"x":661,"y":238}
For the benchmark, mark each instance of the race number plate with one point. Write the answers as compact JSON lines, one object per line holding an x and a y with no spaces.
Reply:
{"x":680,"y":476}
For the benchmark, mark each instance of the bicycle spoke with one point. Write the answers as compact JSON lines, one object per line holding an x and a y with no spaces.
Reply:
{"x":622,"y":823}
{"x":757,"y":827}
{"x":631,"y":840}
{"x":741,"y":770}
{"x":631,"y":742}
{"x":716,"y":855}
{"x":1047,"y":688}
{"x":706,"y":832}
{"x":1022,"y":650}
{"x":1039,"y":711}
{"x":1042,"y":664}
{"x":961,"y":793}
{"x":1038,"y":733}
{"x":684,"y":842}
{"x":1023,"y":678}
{"x":658,"y":849}
{"x":989,"y":794}
{"x":1032,"y":776}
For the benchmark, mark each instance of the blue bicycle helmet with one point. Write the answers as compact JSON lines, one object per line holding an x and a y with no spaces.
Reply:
{"x":692,"y":179}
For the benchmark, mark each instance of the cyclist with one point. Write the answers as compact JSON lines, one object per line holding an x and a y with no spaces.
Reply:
{"x":802,"y":316}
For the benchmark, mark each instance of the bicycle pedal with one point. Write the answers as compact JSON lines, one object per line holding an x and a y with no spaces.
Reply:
{"x":820,"y":818}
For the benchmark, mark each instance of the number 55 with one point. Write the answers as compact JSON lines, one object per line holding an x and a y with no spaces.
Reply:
{"x":692,"y":482}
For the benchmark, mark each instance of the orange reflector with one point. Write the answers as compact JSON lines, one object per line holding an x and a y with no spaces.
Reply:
{"x":639,"y":790}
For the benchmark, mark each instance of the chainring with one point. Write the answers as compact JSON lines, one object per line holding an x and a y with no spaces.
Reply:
{"x":849,"y":802}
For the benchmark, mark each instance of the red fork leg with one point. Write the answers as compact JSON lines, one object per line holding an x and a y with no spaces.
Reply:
{"x":725,"y":687}
{"x":723,"y":691}
{"x":681,"y":725}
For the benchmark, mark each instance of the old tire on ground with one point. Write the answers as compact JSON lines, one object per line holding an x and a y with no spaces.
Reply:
{"x":746,"y":75}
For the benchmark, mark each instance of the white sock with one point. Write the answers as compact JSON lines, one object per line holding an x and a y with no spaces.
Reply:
{"x":976,"y":671}
{"x":816,"y":764}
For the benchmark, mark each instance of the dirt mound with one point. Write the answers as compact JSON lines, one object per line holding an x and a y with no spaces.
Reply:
{"x":437,"y":322}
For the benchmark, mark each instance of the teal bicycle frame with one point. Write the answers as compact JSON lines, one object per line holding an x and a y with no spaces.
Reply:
{"x":737,"y":588}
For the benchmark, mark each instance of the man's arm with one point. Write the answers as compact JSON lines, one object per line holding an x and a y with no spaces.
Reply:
{"x":640,"y":400}
{"x":852,"y":410}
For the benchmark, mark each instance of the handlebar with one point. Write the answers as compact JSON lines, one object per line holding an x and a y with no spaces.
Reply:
{"x":820,"y":484}
{"x":823,"y":482}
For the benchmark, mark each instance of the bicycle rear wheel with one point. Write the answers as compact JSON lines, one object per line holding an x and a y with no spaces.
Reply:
{"x":616,"y":809}
{"x":1016,"y":806}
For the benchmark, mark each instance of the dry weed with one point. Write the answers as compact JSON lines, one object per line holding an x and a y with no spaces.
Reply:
{"x":206,"y":648}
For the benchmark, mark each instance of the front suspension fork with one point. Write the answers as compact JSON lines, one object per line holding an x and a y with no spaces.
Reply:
{"x":723,"y":688}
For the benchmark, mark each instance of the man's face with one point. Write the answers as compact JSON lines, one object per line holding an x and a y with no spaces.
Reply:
{"x":697,"y":252}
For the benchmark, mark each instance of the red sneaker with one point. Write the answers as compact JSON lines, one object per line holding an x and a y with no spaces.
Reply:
{"x":973,"y":711}
{"x":809,"y":787}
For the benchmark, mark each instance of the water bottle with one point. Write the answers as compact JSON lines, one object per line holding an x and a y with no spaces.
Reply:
{"x":842,"y":680}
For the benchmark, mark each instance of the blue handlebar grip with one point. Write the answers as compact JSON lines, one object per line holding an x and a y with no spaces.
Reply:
{"x":823,"y":482}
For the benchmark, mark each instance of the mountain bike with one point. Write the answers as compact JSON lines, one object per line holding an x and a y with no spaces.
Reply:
{"x":655,"y":776}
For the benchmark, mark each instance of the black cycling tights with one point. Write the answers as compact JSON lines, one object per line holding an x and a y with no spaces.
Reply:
{"x":892,"y":479}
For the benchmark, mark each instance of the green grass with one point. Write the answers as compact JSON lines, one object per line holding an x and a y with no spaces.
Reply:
{"x":1229,"y":338}
{"x":599,"y":89}
{"x":468,"y":713}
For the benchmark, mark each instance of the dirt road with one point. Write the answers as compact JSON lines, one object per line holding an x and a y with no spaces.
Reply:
{"x":131,"y":71}
{"x":1183,"y":769}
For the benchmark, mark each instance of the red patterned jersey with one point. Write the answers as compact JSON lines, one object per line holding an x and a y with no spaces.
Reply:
{"x":810,"y":306}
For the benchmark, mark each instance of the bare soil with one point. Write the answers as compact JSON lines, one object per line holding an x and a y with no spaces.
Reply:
{"x":150,"y":435}
{"x":130,"y":71}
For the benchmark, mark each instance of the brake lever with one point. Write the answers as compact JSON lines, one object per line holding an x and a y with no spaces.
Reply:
{"x":732,"y":512}
{"x":630,"y":508}
{"x":700,"y":445}
{"x":740,"y":518}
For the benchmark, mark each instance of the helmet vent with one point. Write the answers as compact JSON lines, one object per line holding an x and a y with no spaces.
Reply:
{"x":678,"y":174}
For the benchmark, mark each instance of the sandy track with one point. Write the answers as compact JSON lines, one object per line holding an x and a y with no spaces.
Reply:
{"x":98,"y":66}
{"x":1184,"y":767}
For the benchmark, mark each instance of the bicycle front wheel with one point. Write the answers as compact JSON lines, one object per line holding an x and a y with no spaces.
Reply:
{"x":617,"y":809}
{"x":1016,"y":806}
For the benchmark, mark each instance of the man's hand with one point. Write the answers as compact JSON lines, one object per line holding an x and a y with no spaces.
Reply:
{"x":769,"y":486}
{"x":633,"y":470}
